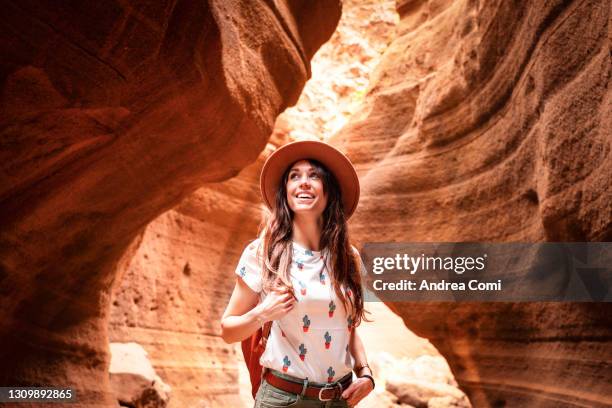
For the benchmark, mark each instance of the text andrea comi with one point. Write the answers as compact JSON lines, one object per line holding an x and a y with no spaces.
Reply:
{"x":409,"y":285}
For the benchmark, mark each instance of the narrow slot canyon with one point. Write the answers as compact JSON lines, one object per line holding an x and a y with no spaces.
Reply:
{"x":134,"y":133}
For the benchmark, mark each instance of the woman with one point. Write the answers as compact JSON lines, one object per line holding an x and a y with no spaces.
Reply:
{"x":303,"y":274}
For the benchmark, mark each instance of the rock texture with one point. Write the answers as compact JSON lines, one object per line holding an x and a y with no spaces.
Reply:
{"x":133,"y":379}
{"x":490,"y":121}
{"x":484,"y":121}
{"x":341,"y":71}
{"x":175,"y":285}
{"x":424,"y":381}
{"x":110,"y":115}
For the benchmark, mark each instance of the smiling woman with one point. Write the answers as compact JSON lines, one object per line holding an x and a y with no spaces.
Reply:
{"x":313,"y":345}
{"x":305,"y":190}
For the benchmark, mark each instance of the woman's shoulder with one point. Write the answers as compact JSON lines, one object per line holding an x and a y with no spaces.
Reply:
{"x":253,"y":247}
{"x":359,"y":260}
{"x":249,"y":266}
{"x":254,"y":244}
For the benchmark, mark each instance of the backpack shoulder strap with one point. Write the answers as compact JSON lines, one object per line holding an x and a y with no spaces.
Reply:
{"x":267,"y":327}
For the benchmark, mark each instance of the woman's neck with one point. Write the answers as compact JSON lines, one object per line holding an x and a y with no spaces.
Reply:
{"x":307,"y":233}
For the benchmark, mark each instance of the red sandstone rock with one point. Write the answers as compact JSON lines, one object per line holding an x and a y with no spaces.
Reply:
{"x":133,"y":380}
{"x":483,"y":122}
{"x":490,"y":121}
{"x":175,"y":285}
{"x":110,"y":115}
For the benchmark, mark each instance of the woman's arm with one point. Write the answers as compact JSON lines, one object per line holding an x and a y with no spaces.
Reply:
{"x":243,"y":316}
{"x":358,"y":352}
{"x":361,"y":387}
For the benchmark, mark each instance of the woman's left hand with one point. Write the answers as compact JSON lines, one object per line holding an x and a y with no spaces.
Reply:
{"x":357,"y":391}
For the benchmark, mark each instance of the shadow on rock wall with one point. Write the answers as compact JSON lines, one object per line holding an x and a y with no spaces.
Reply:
{"x":490,"y":121}
{"x":112,"y":114}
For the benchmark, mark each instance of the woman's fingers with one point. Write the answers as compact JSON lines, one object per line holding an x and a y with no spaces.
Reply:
{"x":284,"y":297}
{"x":356,"y":395}
{"x":289,"y":298}
{"x":283,"y":302}
{"x":280,"y":300}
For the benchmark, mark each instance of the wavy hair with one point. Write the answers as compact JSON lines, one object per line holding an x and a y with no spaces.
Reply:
{"x":342,"y":262}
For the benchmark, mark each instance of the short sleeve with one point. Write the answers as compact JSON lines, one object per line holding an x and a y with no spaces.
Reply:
{"x":249,"y":266}
{"x":362,"y":268}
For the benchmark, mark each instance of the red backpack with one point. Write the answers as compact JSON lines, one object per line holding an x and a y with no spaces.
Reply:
{"x":252,"y":349}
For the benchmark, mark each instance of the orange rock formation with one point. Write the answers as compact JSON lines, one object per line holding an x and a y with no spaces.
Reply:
{"x":491,"y":121}
{"x":484,"y":121}
{"x":112,"y":114}
{"x":175,"y":285}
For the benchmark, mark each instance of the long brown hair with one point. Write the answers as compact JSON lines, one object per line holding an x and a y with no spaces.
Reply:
{"x":341,"y":260}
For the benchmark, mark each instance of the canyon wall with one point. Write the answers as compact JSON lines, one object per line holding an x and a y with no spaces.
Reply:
{"x":484,"y":121}
{"x":491,"y":121}
{"x":111,"y":114}
{"x":175,"y":285}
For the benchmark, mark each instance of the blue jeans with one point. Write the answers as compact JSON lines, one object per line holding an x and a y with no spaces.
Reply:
{"x":269,"y":396}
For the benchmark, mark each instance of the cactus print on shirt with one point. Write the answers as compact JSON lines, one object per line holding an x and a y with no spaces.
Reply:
{"x":311,"y":341}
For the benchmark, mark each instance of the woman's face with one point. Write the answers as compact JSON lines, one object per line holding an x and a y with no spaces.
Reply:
{"x":305,"y":192}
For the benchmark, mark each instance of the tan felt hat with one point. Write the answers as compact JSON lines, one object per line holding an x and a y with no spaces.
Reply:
{"x":329,"y":156}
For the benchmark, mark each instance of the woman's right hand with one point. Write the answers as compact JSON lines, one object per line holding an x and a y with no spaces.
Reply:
{"x":243,"y":315}
{"x":276,"y":305}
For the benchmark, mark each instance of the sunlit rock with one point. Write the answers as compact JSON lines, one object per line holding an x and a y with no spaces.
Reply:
{"x":133,"y":379}
{"x":490,"y":121}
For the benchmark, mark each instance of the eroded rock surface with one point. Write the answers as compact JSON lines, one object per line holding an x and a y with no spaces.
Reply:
{"x":111,"y":114}
{"x":485,"y":121}
{"x":175,"y":285}
{"x":490,"y":121}
{"x":133,"y":379}
{"x":341,"y":71}
{"x":424,"y":381}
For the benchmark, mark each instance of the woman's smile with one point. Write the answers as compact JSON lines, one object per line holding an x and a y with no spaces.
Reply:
{"x":306,"y":198}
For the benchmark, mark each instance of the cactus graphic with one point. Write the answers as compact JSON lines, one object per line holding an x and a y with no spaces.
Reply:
{"x":300,"y":264}
{"x":330,"y":374}
{"x":349,"y":322}
{"x":302,"y":288}
{"x":302,"y":351}
{"x":332,"y":307}
{"x":243,"y":271}
{"x":306,"y":321}
{"x":327,"y":340}
{"x":322,"y":278}
{"x":308,"y":252}
{"x":286,"y":363}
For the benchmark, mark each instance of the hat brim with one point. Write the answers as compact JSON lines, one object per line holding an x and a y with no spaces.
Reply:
{"x":329,"y":156}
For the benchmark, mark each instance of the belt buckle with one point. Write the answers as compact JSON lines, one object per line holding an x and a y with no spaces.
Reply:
{"x":329,"y":387}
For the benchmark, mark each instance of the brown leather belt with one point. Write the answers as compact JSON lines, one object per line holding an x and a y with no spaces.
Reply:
{"x":328,"y":392}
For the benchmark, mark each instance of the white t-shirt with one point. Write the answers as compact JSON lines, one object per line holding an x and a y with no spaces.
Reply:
{"x":311,"y":341}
